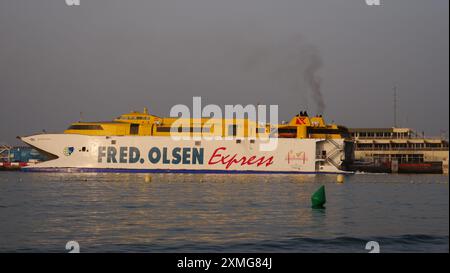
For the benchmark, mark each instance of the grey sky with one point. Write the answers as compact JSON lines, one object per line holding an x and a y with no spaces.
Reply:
{"x":107,"y":57}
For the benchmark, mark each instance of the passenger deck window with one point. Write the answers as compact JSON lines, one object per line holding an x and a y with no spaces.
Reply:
{"x":86,"y":127}
{"x":232,"y":130}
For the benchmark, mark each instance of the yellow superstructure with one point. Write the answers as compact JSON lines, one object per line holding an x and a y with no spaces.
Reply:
{"x":145,"y":124}
{"x":303,"y":126}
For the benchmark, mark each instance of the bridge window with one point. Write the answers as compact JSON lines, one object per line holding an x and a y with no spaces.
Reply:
{"x":287,"y":132}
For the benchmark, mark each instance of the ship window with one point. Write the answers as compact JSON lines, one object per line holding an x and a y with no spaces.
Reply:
{"x":163,"y":129}
{"x":232,"y":130}
{"x":198,"y":143}
{"x":183,"y":129}
{"x":134,"y":129}
{"x":325,"y":131}
{"x":260,"y":130}
{"x":113,"y":142}
{"x":83,"y":149}
{"x":85,"y":127}
{"x":287,"y":132}
{"x":180,"y":129}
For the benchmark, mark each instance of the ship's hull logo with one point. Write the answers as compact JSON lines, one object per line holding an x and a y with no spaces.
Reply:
{"x":68,"y":151}
{"x":296,"y":157}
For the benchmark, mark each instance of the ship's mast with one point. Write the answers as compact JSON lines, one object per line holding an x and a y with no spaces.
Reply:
{"x":395,"y":106}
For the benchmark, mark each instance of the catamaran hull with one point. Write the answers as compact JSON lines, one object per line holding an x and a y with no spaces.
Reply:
{"x":149,"y":154}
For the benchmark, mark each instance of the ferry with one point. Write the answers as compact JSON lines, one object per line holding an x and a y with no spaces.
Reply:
{"x":142,"y":142}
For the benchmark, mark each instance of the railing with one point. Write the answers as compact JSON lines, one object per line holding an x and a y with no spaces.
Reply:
{"x":384,"y":137}
{"x":398,"y":137}
{"x":331,"y":154}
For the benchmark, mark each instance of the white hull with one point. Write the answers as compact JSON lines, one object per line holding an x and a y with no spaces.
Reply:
{"x":162,"y":154}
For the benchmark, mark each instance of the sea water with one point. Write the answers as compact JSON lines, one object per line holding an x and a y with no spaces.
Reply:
{"x":41,"y":212}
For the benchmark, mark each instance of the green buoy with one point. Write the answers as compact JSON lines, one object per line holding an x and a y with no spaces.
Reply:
{"x":318,"y":198}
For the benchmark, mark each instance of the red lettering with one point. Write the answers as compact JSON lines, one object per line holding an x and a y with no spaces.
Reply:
{"x":250,"y":160}
{"x":263,"y":160}
{"x":234,"y":160}
{"x":210,"y":162}
{"x":229,"y":160}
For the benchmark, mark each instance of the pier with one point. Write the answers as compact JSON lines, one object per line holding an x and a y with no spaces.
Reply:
{"x":398,"y":150}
